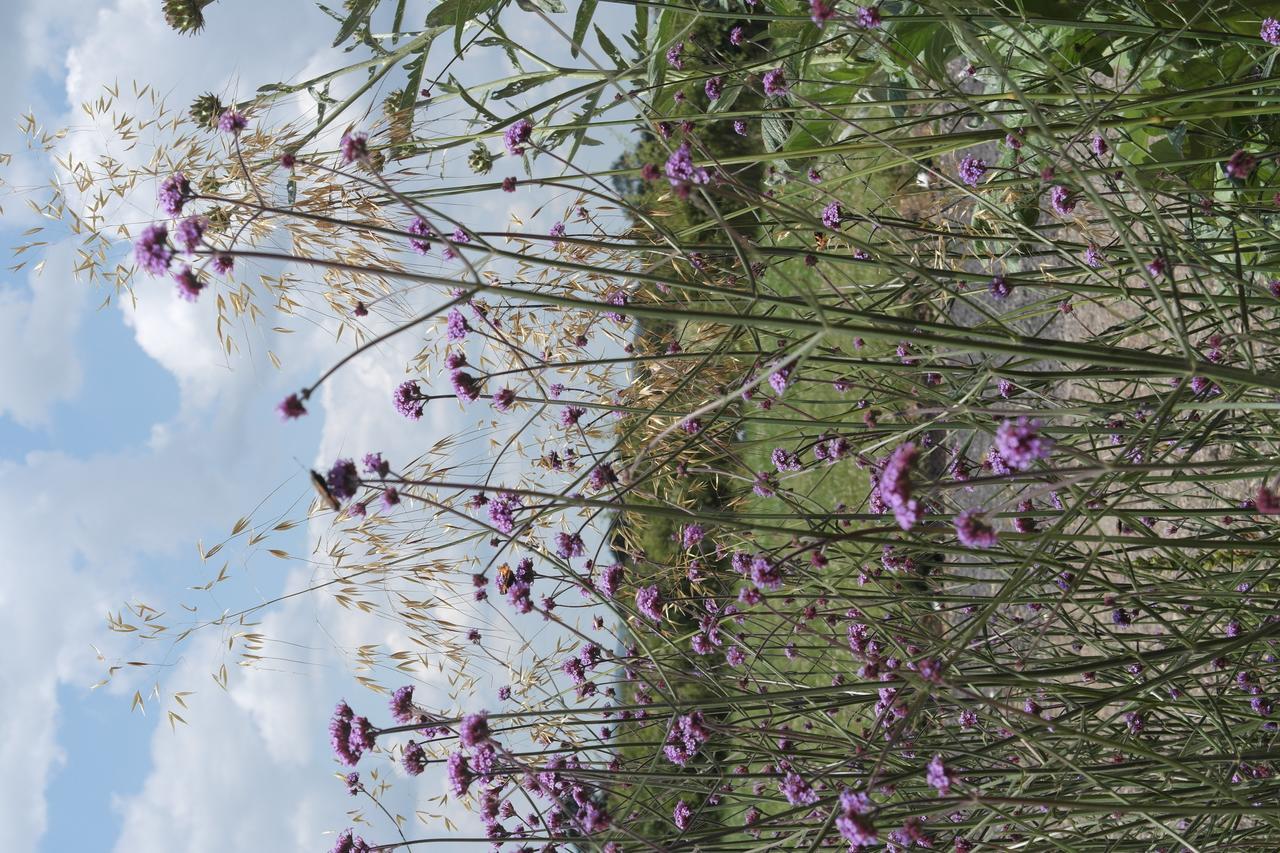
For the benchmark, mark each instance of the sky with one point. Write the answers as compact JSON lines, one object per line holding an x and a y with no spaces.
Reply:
{"x":126,"y":437}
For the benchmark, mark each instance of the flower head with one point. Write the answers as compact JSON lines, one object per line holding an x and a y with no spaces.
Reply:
{"x":474,"y":730}
{"x":232,"y":122}
{"x":649,"y":602}
{"x":409,"y":400}
{"x":517,"y":135}
{"x":152,"y":251}
{"x":868,"y":17}
{"x":421,"y":231}
{"x":1021,"y":444}
{"x":354,"y":147}
{"x":189,"y":284}
{"x":775,"y":82}
{"x":1241,"y":165}
{"x":1062,"y":200}
{"x":291,"y":407}
{"x":1270,"y":31}
{"x":832,"y":214}
{"x":174,"y":193}
{"x":971,"y":170}
{"x":680,"y":168}
{"x":973,"y":531}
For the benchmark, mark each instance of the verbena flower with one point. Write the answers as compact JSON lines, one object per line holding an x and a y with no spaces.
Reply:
{"x":456,"y":326}
{"x":675,"y":56}
{"x":517,"y":135}
{"x":1241,"y":165}
{"x":831,"y":215}
{"x":402,"y":704}
{"x":1021,"y":444}
{"x":409,"y":400}
{"x":681,"y":170}
{"x":820,"y":12}
{"x":868,"y":17}
{"x":775,"y":82}
{"x":474,"y":729}
{"x":421,"y":231}
{"x":189,"y":284}
{"x":343,"y":480}
{"x":736,"y":36}
{"x":232,"y":122}
{"x":971,"y":170}
{"x":413,"y":758}
{"x":649,"y":602}
{"x":459,"y":773}
{"x":714,"y":88}
{"x":682,"y":815}
{"x":973,"y":531}
{"x":465,"y":386}
{"x":1000,"y":287}
{"x":938,"y":776}
{"x":895,"y":489}
{"x":1093,"y":256}
{"x":152,"y":251}
{"x":1270,"y":31}
{"x":291,"y":407}
{"x":1062,"y":200}
{"x":174,"y":193}
{"x":354,"y":147}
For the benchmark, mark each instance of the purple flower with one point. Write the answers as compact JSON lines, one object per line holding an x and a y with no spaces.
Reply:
{"x":680,"y":168}
{"x":340,"y":733}
{"x":474,"y":730}
{"x":190,"y":232}
{"x":611,"y":580}
{"x":517,"y":135}
{"x":1093,"y":256}
{"x":831,"y":215}
{"x":692,"y":535}
{"x":775,"y":82}
{"x":223,"y":264}
{"x":466,"y":386}
{"x":1241,"y":165}
{"x":456,"y":327}
{"x":421,"y":231}
{"x":740,"y":127}
{"x":895,"y":486}
{"x":502,"y":511}
{"x":971,"y":170}
{"x":354,"y":147}
{"x":174,"y":193}
{"x":785,"y":460}
{"x":682,"y":815}
{"x":504,"y":399}
{"x":413,"y":758}
{"x":1157,"y":267}
{"x":375,"y":464}
{"x":602,"y":476}
{"x":1270,"y":32}
{"x":409,"y":400}
{"x":569,"y":545}
{"x":999,"y":287}
{"x":232,"y":122}
{"x":1021,"y":444}
{"x":390,"y":497}
{"x":402,"y":704}
{"x":350,"y":844}
{"x":343,"y":480}
{"x":189,"y":285}
{"x":675,"y":56}
{"x":973,"y":531}
{"x":851,"y":820}
{"x":649,"y":602}
{"x":868,"y":17}
{"x":151,"y":250}
{"x":765,"y":574}
{"x":937,"y":775}
{"x":714,"y":88}
{"x":508,"y":184}
{"x":291,"y":407}
{"x":570,"y":415}
{"x":797,"y":791}
{"x":353,"y":783}
{"x":736,"y":36}
{"x":1266,"y":501}
{"x":820,"y":12}
{"x":1061,"y":200}
{"x":460,"y":775}
{"x":1098,"y":145}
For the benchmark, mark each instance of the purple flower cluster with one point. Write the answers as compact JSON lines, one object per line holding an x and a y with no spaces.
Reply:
{"x":973,"y":531}
{"x":152,"y":251}
{"x":851,"y":820}
{"x":409,"y":400}
{"x":421,"y":231}
{"x":649,"y":602}
{"x":517,"y":135}
{"x":402,"y":704}
{"x":831,"y":215}
{"x":1020,"y":443}
{"x":971,"y":170}
{"x":894,"y":486}
{"x":687,"y":735}
{"x":174,"y":192}
{"x":938,"y":776}
{"x":680,"y":169}
{"x":343,"y":480}
{"x":1270,"y":31}
{"x":775,"y":82}
{"x":354,"y":148}
{"x":1062,"y":200}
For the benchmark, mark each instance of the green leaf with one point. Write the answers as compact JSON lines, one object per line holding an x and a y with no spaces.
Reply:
{"x":610,"y":48}
{"x":360,"y":12}
{"x":553,"y":6}
{"x":586,"y":10}
{"x":454,"y":12}
{"x":517,"y":86}
{"x":472,"y":102}
{"x":775,"y":128}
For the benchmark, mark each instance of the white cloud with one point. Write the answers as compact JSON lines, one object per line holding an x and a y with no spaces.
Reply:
{"x":39,"y":363}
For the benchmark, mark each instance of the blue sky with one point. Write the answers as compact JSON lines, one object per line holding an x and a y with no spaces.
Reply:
{"x":126,"y":436}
